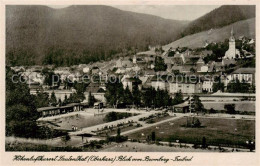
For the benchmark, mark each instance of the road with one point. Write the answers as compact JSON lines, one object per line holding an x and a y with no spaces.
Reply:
{"x":145,"y":125}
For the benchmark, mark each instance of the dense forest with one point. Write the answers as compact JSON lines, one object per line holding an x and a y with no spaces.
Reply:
{"x":81,"y":34}
{"x":220,"y":17}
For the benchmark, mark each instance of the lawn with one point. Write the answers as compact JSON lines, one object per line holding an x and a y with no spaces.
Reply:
{"x":223,"y":132}
{"x":241,"y":106}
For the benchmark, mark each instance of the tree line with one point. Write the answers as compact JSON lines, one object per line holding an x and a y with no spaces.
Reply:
{"x":118,"y":96}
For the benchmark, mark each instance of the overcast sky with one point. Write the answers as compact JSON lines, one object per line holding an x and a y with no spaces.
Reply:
{"x":175,"y":12}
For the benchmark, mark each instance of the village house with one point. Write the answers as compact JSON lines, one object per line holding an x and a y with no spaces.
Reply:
{"x":95,"y":70}
{"x":120,"y":70}
{"x":86,"y":69}
{"x":205,"y":53}
{"x":95,"y":87}
{"x":75,"y":76}
{"x":227,"y":62}
{"x":187,"y":68}
{"x":246,"y":75}
{"x":33,"y":77}
{"x":149,"y":72}
{"x":124,"y":63}
{"x":204,"y":68}
{"x":169,"y":61}
{"x":18,"y":68}
{"x":181,"y":108}
{"x":35,"y":68}
{"x":147,"y":83}
{"x":207,"y":84}
{"x":201,"y":67}
{"x":130,"y":82}
{"x":186,"y":85}
{"x":215,"y":66}
{"x":52,"y":111}
{"x":252,"y":41}
{"x":136,"y":68}
{"x":160,"y":83}
{"x":143,"y":79}
{"x":149,"y":59}
{"x":179,"y":59}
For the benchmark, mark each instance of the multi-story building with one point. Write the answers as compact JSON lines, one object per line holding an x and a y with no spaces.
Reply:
{"x":246,"y":75}
{"x":187,"y":85}
{"x":207,"y":85}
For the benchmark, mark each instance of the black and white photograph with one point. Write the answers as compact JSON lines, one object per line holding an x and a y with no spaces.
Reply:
{"x":130,"y":78}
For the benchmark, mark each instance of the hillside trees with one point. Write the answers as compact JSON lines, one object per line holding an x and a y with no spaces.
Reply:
{"x":198,"y":106}
{"x":238,"y":87}
{"x":159,"y":64}
{"x":91,"y":99}
{"x":178,"y":98}
{"x":114,"y":93}
{"x":41,"y":99}
{"x":117,"y":95}
{"x":218,"y":85}
{"x":53,"y":99}
{"x":77,"y":96}
{"x":21,"y":113}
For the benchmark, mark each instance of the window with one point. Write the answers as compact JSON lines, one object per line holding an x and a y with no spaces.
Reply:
{"x":246,"y":78}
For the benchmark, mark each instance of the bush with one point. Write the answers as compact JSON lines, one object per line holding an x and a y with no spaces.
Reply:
{"x":197,"y":123}
{"x":113,"y":116}
{"x":138,"y":125}
{"x":230,"y":108}
{"x":117,"y":139}
{"x":212,"y":111}
{"x":150,"y":121}
{"x":141,"y":119}
{"x":194,"y":123}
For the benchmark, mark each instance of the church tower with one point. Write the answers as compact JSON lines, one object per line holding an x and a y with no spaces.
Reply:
{"x":232,"y":43}
{"x":232,"y":52}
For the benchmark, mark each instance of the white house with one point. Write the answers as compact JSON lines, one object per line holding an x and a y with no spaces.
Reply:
{"x":86,"y":69}
{"x":207,"y":85}
{"x":246,"y":75}
{"x":130,"y":82}
{"x":158,"y":83}
{"x":120,"y":70}
{"x":204,"y":68}
{"x":201,"y":67}
{"x":188,"y":87}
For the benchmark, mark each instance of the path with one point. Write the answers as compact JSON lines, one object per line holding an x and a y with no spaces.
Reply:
{"x":153,"y":124}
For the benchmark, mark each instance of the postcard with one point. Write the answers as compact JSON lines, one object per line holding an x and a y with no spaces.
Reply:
{"x":129,"y":83}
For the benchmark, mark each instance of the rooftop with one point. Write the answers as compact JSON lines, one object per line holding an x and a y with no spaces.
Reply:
{"x":244,"y":71}
{"x":182,"y":105}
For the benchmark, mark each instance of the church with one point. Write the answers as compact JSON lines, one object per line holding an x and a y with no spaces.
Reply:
{"x":232,"y":52}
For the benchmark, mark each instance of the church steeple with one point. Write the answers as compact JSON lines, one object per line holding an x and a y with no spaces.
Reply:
{"x":232,"y":38}
{"x":232,"y":31}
